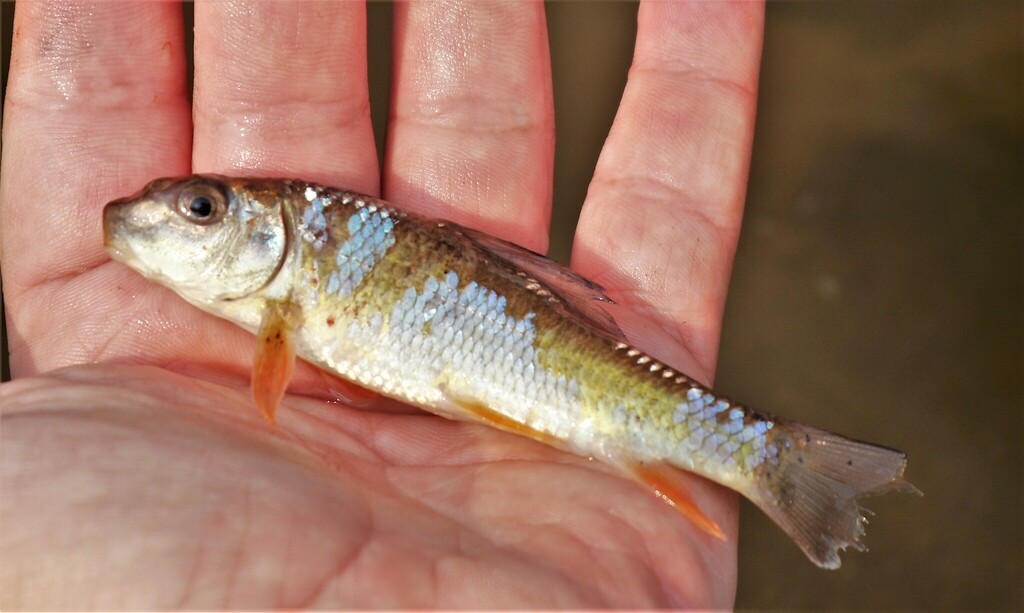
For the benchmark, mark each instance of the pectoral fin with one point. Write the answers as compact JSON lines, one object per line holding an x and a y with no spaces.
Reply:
{"x":661,"y":478}
{"x":275,"y":360}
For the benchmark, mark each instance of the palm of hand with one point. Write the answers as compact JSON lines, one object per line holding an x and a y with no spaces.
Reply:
{"x":142,"y":487}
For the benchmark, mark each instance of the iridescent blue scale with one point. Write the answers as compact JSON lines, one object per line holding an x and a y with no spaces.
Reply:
{"x":370,"y":236}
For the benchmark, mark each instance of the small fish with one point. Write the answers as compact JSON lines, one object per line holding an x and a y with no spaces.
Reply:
{"x":472,"y":327}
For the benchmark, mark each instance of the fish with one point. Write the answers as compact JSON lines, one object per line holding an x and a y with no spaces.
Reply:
{"x":471,"y":327}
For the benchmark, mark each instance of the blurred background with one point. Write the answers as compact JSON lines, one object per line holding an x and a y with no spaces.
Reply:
{"x":878,"y":285}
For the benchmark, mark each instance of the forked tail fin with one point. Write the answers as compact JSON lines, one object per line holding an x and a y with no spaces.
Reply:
{"x":812,"y":492}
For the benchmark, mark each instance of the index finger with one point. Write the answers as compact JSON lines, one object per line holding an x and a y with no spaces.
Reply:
{"x":96,"y":105}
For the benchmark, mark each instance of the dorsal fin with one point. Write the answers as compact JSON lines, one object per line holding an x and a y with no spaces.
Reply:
{"x":578,"y":297}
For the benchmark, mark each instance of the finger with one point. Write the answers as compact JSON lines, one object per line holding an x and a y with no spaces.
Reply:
{"x":96,"y":106}
{"x":662,"y":216}
{"x":281,"y":89}
{"x":471,"y":132}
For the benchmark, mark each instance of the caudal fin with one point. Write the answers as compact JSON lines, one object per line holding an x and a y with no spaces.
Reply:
{"x":812,"y":493}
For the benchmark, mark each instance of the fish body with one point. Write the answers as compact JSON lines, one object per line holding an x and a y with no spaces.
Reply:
{"x":471,"y":327}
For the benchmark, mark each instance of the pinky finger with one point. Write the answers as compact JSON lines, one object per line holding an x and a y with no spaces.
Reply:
{"x":662,"y":217}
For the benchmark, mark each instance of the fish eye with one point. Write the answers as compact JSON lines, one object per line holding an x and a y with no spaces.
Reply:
{"x":201,"y":204}
{"x":200,"y":207}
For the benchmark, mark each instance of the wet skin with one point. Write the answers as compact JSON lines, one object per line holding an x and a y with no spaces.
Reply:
{"x":138,"y":475}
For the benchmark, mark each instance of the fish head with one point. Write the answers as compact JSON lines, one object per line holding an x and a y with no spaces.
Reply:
{"x":207,"y":237}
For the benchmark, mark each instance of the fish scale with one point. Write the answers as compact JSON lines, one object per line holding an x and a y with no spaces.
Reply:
{"x":465,"y":359}
{"x":471,"y":327}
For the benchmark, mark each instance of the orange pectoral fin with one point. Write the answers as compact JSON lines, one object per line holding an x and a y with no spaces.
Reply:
{"x":275,"y":360}
{"x":660,"y":478}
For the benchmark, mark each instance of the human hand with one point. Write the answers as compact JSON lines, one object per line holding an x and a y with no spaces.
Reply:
{"x":147,"y":480}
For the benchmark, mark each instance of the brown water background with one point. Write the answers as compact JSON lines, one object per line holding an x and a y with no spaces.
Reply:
{"x":878,"y":285}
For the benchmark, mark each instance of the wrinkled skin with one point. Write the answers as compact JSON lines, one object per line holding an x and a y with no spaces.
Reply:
{"x":135,"y":472}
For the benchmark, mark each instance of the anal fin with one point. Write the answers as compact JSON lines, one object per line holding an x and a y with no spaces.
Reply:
{"x":275,"y":359}
{"x":660,"y":477}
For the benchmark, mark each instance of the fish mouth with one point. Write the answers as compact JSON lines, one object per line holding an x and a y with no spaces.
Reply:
{"x":121,"y":217}
{"x":115,"y":217}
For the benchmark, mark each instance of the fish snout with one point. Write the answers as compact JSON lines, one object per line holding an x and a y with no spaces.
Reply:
{"x":116,"y":216}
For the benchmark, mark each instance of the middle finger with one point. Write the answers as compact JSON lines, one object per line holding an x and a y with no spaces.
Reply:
{"x":281,"y":89}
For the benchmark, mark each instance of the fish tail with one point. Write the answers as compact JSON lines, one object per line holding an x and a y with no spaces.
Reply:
{"x":812,"y":491}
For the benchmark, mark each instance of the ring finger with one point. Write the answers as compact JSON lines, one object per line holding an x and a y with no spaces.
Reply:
{"x":471,"y":131}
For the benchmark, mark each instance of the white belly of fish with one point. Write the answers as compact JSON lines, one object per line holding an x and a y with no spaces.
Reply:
{"x":442,"y":344}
